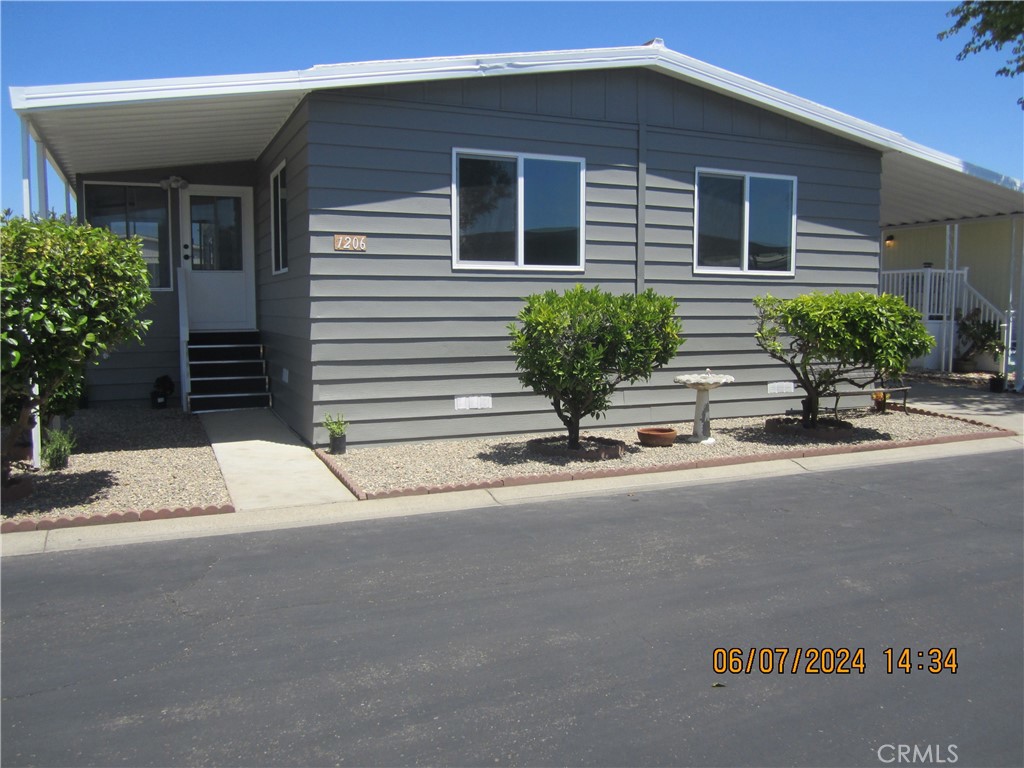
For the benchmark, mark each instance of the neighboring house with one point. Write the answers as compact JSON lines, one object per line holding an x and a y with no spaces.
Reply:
{"x":379,"y":223}
{"x":951,"y":270}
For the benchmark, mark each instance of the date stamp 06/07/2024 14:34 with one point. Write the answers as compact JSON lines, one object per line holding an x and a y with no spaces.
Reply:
{"x":830,"y":661}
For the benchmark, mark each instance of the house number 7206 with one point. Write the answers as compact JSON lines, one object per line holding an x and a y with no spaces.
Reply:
{"x":350,"y":242}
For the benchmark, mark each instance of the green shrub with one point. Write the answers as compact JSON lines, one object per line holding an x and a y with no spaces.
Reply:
{"x":57,"y":447}
{"x":69,"y":292}
{"x":976,"y":336}
{"x":336,"y":427}
{"x":576,"y":348}
{"x":856,"y":338}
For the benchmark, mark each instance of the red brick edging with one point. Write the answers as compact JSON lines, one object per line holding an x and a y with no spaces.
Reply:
{"x":726,"y":461}
{"x":131,"y":516}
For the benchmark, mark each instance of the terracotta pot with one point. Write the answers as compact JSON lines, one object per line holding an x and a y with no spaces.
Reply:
{"x":657,"y":437}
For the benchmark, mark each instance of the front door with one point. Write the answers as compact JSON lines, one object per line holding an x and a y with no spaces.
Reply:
{"x":217,"y":252}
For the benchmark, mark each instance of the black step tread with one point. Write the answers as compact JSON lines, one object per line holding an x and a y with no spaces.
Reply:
{"x":224,"y":354}
{"x":224,"y":337}
{"x":250,"y":386}
{"x":223,"y":368}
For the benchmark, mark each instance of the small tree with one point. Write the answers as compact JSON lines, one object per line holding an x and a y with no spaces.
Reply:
{"x":853,"y":338}
{"x":69,"y":292}
{"x":576,"y":348}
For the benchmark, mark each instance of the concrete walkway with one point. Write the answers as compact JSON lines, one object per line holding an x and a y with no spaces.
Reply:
{"x":1005,"y":410}
{"x":265,"y":465}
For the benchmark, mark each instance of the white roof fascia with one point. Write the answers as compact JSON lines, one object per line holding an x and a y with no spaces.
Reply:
{"x":653,"y":56}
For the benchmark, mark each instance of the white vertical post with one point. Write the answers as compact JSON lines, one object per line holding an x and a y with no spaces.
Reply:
{"x":929,"y":310}
{"x":44,"y":200}
{"x":67,"y":201}
{"x":954,"y":297}
{"x":26,"y":204}
{"x":26,"y":171}
{"x":1018,"y":356}
{"x":945,"y":362}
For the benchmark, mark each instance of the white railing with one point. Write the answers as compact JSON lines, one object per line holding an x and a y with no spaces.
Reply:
{"x":186,"y":384}
{"x":930,"y":291}
{"x":945,"y":295}
{"x":938,"y":293}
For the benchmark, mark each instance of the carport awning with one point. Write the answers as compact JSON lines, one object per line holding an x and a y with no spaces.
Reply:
{"x":101,"y":127}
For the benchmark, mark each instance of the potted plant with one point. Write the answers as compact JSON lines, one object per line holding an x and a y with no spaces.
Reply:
{"x":997,"y":383}
{"x":976,"y":337}
{"x":336,"y":428}
{"x":880,"y":400}
{"x":163,"y":388}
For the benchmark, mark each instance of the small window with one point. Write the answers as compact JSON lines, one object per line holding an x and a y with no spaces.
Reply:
{"x":135,"y":210}
{"x":279,"y":220}
{"x":517,"y":211}
{"x":745,"y":223}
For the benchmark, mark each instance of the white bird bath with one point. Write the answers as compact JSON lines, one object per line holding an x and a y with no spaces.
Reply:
{"x":703,"y":383}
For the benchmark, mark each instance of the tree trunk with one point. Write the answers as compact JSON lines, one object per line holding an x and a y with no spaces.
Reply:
{"x":571,"y":421}
{"x":574,"y":434}
{"x":809,"y":418}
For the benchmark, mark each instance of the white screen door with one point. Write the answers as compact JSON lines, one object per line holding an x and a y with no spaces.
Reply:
{"x":217,"y":251}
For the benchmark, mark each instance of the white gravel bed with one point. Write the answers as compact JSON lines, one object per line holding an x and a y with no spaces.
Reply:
{"x":392,"y":467}
{"x":127,"y":458}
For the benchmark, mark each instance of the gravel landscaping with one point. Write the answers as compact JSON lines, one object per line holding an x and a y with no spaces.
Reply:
{"x":379,"y":470}
{"x":127,"y":457}
{"x":131,"y":457}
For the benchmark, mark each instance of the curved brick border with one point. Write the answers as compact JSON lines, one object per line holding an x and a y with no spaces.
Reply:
{"x":131,"y":516}
{"x":725,"y":461}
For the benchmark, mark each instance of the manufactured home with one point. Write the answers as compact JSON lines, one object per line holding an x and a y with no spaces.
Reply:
{"x":356,"y":237}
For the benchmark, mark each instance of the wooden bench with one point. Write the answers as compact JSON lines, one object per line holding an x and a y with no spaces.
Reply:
{"x":882,"y":390}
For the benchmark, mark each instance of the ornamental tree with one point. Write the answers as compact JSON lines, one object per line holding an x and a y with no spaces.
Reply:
{"x":857,"y":338}
{"x":69,"y":292}
{"x":575,"y":348}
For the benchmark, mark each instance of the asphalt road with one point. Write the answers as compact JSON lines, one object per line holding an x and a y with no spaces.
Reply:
{"x":574,"y":632}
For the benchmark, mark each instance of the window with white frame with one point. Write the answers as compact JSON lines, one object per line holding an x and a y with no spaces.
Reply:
{"x":279,"y":220}
{"x":130,"y":210}
{"x":746,"y":223}
{"x":517,"y":211}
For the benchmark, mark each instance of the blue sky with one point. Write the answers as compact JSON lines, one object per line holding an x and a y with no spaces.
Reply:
{"x":878,"y":61}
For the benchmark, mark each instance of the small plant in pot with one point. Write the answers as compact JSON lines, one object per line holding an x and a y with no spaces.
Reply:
{"x":162,"y":390}
{"x":997,"y":383}
{"x":336,"y":428}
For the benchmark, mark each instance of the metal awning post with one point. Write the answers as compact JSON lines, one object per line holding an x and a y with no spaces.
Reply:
{"x":26,"y":204}
{"x":26,"y":171}
{"x":43,"y":208}
{"x":1018,"y":258}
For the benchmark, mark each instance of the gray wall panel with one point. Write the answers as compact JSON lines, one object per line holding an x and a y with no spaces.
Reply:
{"x":398,"y":333}
{"x":282,"y":300}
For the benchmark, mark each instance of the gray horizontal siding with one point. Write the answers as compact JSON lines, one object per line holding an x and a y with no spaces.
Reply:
{"x":129,"y":371}
{"x":397,"y":333}
{"x":283,"y":299}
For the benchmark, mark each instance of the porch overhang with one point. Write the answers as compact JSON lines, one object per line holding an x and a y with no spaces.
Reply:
{"x":111,"y":126}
